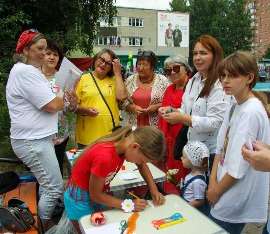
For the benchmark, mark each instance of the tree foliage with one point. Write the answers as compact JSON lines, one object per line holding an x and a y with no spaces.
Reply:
{"x":267,"y":53}
{"x":226,"y":20}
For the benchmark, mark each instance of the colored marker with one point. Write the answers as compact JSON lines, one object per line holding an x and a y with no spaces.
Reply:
{"x":171,"y":223}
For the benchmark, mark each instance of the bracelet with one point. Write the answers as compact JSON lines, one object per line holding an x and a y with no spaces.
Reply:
{"x":73,"y":110}
{"x":171,"y":109}
{"x":125,"y":103}
{"x":127,"y":205}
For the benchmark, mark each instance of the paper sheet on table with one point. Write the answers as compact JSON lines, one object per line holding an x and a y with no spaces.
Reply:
{"x":67,"y":69}
{"x":128,"y":176}
{"x":104,"y":229}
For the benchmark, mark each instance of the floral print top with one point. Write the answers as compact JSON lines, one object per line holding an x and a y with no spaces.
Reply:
{"x":63,"y":132}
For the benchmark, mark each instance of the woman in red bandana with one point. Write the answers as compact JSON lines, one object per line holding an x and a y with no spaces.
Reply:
{"x":33,"y":111}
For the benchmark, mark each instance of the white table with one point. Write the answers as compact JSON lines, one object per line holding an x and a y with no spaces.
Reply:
{"x":118,"y":184}
{"x":196,"y":223}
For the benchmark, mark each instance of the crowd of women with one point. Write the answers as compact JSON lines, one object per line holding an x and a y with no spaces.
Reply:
{"x":215,"y":102}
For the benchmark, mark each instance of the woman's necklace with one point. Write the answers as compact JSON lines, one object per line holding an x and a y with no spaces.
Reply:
{"x":48,"y":74}
{"x":147,"y":81}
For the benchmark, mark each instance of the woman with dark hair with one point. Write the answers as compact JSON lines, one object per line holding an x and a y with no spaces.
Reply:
{"x":95,"y":118}
{"x":53,"y":58}
{"x":145,"y":92}
{"x":204,"y":102}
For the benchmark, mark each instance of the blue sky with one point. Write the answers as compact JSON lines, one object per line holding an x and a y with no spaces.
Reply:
{"x":148,"y":4}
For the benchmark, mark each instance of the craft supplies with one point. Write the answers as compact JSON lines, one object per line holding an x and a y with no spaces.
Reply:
{"x":132,"y":222}
{"x":176,"y":216}
{"x":133,"y":195}
{"x":172,"y":223}
{"x":127,"y":205}
{"x":98,"y":218}
{"x":123,"y":226}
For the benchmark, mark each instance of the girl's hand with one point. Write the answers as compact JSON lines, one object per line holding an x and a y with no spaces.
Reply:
{"x":158,"y":198}
{"x":212,"y":196}
{"x":139,"y":204}
{"x":172,"y":118}
{"x":163,"y":110}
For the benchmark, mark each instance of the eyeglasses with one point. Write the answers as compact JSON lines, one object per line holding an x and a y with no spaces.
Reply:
{"x":107,"y":63}
{"x":31,"y":30}
{"x":175,"y":68}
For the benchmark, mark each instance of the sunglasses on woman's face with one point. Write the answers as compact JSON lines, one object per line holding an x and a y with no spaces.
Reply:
{"x":175,"y":68}
{"x":146,"y":54}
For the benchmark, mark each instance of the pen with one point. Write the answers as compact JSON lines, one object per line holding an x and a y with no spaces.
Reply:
{"x":133,"y":195}
{"x":171,"y":223}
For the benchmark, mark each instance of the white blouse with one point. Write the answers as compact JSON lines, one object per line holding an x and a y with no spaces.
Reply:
{"x":207,"y":112}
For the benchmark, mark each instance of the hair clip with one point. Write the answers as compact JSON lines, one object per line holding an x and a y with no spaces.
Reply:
{"x":133,"y":128}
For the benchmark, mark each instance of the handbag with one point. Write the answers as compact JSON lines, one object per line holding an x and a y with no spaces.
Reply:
{"x":16,"y":216}
{"x":181,"y":138}
{"x":8,"y":180}
{"x":180,"y":141}
{"x":114,"y":127}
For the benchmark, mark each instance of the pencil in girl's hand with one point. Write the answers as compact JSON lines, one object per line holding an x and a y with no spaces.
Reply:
{"x":133,"y":195}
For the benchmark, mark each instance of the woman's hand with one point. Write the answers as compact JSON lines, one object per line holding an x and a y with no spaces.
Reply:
{"x":151,"y":109}
{"x":139,"y":204}
{"x":157,"y":197}
{"x":163,"y":110}
{"x":72,"y":98}
{"x":172,"y":118}
{"x":90,"y":111}
{"x":116,"y":67}
{"x":136,"y":109}
{"x":258,"y":159}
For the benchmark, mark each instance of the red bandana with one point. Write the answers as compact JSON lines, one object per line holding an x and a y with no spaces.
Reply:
{"x":25,"y":38}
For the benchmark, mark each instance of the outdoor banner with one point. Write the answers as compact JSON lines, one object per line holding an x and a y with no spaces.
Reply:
{"x":173,"y":29}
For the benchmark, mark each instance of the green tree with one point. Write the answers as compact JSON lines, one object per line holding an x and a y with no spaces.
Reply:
{"x":226,"y":20}
{"x":73,"y":23}
{"x":267,"y":53}
{"x":179,"y":5}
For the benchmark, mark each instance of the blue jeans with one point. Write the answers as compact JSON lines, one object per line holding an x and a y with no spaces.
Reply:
{"x":232,"y":228}
{"x":39,"y":156}
{"x":266,"y":229}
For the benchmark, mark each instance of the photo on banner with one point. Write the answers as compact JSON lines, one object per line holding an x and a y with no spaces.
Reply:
{"x":173,"y":29}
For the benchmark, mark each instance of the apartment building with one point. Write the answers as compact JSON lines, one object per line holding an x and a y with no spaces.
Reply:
{"x":260,"y":14}
{"x":135,"y":29}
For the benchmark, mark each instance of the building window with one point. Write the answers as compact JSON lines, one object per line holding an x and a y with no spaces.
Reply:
{"x":101,"y":41}
{"x":251,"y":4}
{"x":136,"y":41}
{"x":136,"y":22}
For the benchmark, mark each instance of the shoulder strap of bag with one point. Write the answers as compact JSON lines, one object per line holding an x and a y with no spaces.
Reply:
{"x":201,"y":177}
{"x":231,"y":111}
{"x":103,"y":98}
{"x":196,"y":98}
